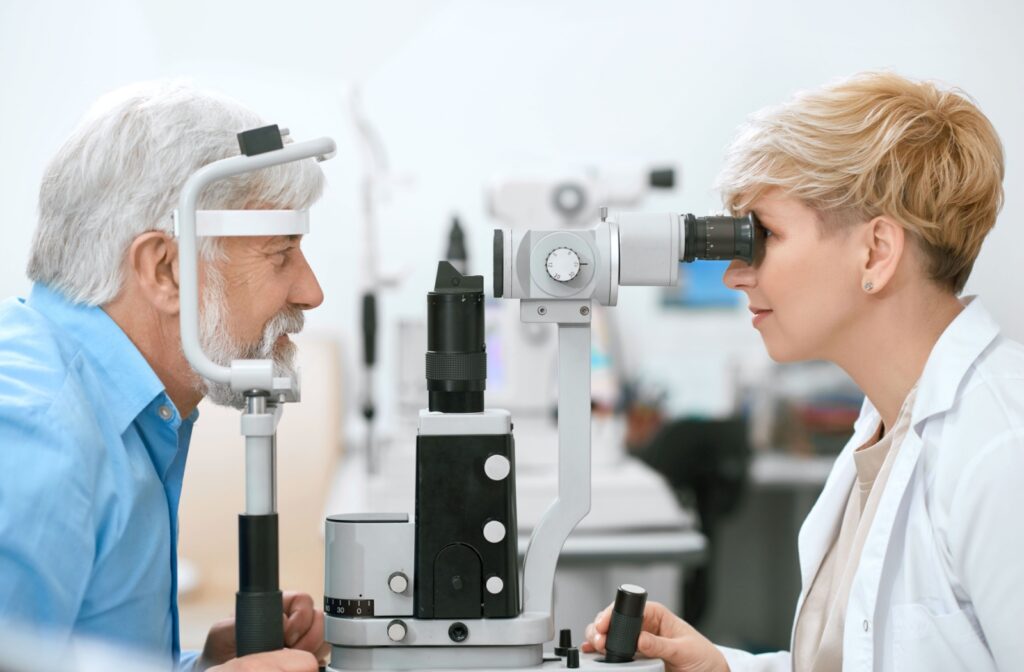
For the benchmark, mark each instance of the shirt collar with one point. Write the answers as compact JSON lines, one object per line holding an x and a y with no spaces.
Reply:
{"x":963,"y":341}
{"x":126,"y":382}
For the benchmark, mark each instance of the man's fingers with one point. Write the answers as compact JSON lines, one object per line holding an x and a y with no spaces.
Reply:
{"x":298,"y":661}
{"x":312,"y":639}
{"x":300,"y":617}
{"x":323,"y":654}
{"x":292,"y":599}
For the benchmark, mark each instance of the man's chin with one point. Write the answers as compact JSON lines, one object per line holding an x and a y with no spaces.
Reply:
{"x":221,"y":394}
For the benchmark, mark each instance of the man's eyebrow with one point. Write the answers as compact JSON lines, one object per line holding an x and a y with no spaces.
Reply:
{"x":278,"y":241}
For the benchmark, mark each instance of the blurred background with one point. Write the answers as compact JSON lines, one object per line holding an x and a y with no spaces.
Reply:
{"x":454,"y":101}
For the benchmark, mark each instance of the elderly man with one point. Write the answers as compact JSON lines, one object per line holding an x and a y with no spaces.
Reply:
{"x":97,"y":401}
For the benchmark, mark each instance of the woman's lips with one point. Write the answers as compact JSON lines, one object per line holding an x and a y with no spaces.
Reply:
{"x":760,"y":314}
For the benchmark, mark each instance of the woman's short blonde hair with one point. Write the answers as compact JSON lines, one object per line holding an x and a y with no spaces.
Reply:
{"x":879,"y":144}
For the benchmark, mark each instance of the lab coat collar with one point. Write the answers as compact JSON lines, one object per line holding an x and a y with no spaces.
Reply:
{"x":963,"y":341}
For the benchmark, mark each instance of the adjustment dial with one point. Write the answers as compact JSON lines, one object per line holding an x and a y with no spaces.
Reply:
{"x":562,"y":264}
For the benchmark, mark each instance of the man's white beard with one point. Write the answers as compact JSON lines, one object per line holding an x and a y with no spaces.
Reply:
{"x":219,"y":347}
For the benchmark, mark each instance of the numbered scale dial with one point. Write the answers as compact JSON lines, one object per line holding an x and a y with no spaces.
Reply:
{"x":345,"y":608}
{"x":563,"y":264}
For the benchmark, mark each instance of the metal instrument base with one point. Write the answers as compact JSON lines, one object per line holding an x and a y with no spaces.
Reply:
{"x":476,"y":659}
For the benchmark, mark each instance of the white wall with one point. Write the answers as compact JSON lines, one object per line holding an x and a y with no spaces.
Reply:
{"x":464,"y":90}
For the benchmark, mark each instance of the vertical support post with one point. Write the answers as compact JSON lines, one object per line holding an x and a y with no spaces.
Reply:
{"x":573,"y":501}
{"x":258,"y":602}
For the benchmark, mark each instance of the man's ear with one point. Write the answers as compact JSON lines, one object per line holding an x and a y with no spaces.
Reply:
{"x":884,"y":242}
{"x":153,"y":263}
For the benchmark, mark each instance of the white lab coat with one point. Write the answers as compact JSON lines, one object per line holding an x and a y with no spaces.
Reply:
{"x":940,"y":583}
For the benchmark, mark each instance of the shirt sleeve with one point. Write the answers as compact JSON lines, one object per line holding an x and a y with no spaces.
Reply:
{"x":47,"y":535}
{"x":187,"y":661}
{"x":987,"y":543}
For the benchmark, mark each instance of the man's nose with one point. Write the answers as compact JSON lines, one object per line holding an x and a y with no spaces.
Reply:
{"x":740,"y":275}
{"x":306,"y":292}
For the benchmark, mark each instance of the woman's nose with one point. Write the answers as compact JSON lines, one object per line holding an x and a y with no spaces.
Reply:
{"x":739,"y":275}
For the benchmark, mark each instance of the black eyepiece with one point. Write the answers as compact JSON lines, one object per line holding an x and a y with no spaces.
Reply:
{"x":722,"y":237}
{"x":456,"y":355}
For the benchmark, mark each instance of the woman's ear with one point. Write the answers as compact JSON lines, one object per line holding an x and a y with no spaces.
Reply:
{"x":884,"y":244}
{"x":153,"y":263}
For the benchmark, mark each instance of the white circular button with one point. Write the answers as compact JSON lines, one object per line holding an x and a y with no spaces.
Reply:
{"x":494,"y":531}
{"x":165,"y":412}
{"x":398,"y":582}
{"x":396,"y":631}
{"x":497,"y":467}
{"x":495,"y":585}
{"x":562,"y":264}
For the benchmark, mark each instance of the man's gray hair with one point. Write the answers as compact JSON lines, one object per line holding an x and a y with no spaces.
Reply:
{"x":120,"y":174}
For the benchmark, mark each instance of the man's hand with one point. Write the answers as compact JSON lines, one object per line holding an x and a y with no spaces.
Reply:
{"x":303,"y":631}
{"x":285,"y":660}
{"x":664,"y":635}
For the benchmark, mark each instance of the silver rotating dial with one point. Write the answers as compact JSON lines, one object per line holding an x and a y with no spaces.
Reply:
{"x":562,"y":264}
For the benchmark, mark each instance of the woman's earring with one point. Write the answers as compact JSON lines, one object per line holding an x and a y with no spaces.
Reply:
{"x":868,"y":286}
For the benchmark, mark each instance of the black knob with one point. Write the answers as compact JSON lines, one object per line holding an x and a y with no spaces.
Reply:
{"x":627,"y":620}
{"x":572,"y":661}
{"x":564,"y":643}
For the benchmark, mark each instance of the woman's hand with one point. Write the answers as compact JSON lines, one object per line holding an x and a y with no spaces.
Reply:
{"x":664,"y":635}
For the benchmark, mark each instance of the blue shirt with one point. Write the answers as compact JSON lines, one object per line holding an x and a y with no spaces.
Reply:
{"x":92,"y":454}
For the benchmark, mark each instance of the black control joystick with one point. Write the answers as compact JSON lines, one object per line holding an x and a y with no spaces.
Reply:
{"x":627,"y":620}
{"x":564,"y":643}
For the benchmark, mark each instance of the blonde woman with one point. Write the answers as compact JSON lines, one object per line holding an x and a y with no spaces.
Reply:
{"x":876,"y":194}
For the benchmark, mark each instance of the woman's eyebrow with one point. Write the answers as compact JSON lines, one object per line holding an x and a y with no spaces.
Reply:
{"x":764,"y":218}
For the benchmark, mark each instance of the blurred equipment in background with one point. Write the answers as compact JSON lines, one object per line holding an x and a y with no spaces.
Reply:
{"x":706,"y":463}
{"x":375,"y":186}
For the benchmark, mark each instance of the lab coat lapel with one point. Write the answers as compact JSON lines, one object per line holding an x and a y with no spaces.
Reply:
{"x":957,"y":349}
{"x":823,"y":521}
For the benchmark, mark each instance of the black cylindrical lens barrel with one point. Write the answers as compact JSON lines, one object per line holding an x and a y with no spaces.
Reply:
{"x":627,"y":620}
{"x":722,"y":237}
{"x":456,"y":356}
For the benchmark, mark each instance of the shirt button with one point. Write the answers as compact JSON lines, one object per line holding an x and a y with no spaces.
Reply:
{"x":165,"y":412}
{"x":867,"y":626}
